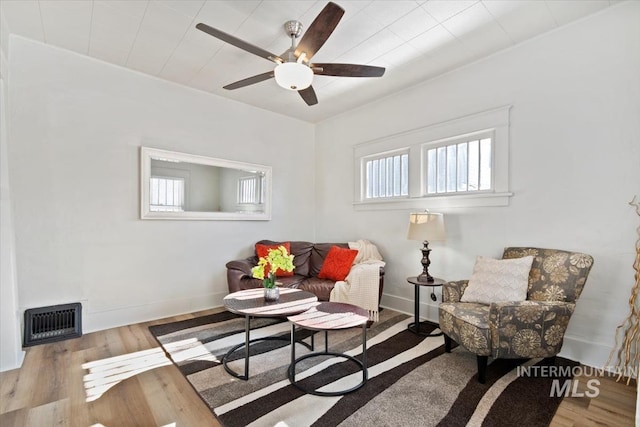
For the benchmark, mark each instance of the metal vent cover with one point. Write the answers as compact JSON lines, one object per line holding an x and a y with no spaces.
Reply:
{"x":53,"y":323}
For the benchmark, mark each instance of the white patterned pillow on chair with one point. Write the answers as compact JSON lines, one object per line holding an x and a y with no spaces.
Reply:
{"x":498,"y":280}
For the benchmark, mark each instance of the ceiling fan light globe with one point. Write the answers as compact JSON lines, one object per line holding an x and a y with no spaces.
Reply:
{"x":293,"y":76}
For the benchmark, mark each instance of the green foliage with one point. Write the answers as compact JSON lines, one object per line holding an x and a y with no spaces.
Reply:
{"x":276,"y":259}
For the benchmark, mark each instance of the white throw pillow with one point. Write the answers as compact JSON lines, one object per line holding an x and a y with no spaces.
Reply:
{"x":498,"y":280}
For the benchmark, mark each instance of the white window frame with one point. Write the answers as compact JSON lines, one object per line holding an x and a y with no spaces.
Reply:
{"x":455,"y":141}
{"x":495,"y":122}
{"x":257,"y":193}
{"x":380,"y":156}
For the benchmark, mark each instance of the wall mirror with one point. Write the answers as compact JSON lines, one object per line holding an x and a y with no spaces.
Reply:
{"x":186,"y":186}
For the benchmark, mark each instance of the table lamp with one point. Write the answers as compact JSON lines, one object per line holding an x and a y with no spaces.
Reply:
{"x":426,"y":226}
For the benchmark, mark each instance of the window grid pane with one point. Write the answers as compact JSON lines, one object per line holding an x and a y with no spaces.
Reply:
{"x":485,"y":164}
{"x":441,"y":168}
{"x":404,"y":175}
{"x":451,"y":169}
{"x":387,"y":176}
{"x":431,"y":171}
{"x":397,"y":173}
{"x":250,"y":190}
{"x":474,"y":165}
{"x":460,"y":167}
{"x":166,"y":195}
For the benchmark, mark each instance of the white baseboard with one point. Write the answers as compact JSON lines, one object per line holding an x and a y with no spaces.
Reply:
{"x":586,"y":352}
{"x":406,"y":305}
{"x":121,"y":316}
{"x":15,"y":363}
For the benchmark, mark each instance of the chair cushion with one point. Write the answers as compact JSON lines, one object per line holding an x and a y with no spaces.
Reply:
{"x":468,"y":325}
{"x":555,"y":275}
{"x":498,"y":280}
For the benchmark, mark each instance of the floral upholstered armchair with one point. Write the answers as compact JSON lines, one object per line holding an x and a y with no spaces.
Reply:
{"x":529,"y":328}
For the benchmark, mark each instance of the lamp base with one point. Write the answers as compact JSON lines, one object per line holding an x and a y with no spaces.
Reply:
{"x":427,"y":278}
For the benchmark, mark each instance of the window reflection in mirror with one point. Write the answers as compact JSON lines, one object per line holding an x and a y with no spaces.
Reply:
{"x":184,"y":186}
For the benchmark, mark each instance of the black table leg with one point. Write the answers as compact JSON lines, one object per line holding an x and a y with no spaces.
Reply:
{"x":246,"y":344}
{"x":415,"y":326}
{"x":247,"y":329}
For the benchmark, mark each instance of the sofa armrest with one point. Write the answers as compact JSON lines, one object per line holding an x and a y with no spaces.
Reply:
{"x":243,"y":265}
{"x":452,"y":291}
{"x":239,"y":270}
{"x":527,"y":329}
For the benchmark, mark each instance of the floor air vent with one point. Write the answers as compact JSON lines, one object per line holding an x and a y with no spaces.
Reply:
{"x":54,"y":323}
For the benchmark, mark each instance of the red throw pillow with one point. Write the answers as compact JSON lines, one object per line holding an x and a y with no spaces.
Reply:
{"x":338,"y":263}
{"x":263,"y":251}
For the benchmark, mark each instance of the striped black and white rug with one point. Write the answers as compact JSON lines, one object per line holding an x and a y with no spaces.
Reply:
{"x":412,"y":381}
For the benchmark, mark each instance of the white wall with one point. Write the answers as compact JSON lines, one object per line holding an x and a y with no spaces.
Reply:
{"x":575,"y":152}
{"x":76,"y":125}
{"x":11,"y":354}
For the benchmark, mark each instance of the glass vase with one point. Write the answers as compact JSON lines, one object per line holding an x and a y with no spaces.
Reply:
{"x":271,"y":294}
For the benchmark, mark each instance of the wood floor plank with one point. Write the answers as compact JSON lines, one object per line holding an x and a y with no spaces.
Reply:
{"x":14,"y":418}
{"x":8,"y":390}
{"x":51,"y":414}
{"x":57,"y":386}
{"x":613,"y":406}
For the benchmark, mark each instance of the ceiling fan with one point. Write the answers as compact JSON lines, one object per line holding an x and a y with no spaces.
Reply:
{"x":294,"y":71}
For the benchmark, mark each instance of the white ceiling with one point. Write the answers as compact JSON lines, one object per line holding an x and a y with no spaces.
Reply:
{"x":414,"y":40}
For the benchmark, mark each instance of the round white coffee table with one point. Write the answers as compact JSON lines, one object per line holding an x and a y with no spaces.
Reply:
{"x":251,"y":303}
{"x":329,"y":316}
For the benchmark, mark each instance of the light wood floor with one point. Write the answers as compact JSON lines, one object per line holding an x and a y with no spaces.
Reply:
{"x":60,"y":384}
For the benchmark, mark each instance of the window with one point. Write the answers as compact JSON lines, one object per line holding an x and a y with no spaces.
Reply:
{"x":250,"y":190}
{"x":463,"y":165}
{"x":387,"y":176}
{"x":458,"y":163}
{"x":167,"y":194}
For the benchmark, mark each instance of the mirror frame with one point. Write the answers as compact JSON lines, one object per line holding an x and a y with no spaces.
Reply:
{"x":147,"y":153}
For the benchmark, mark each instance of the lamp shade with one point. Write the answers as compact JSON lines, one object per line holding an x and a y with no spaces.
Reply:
{"x":426,"y":226}
{"x":293,"y":76}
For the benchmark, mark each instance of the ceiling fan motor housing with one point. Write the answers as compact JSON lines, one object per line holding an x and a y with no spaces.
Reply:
{"x":293,"y":28}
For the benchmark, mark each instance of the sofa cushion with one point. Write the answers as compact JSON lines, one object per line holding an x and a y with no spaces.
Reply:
{"x":290,"y":281}
{"x":319,"y":253}
{"x":301,"y":252}
{"x":320,"y":287}
{"x":337,"y":264}
{"x":263,"y":251}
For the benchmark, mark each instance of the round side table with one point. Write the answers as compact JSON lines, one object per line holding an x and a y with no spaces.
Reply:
{"x":251,"y":303}
{"x":329,"y":316}
{"x":415,"y":326}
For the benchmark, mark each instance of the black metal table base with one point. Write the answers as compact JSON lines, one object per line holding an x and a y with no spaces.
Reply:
{"x":361,"y":363}
{"x":247,"y":344}
{"x":412,"y":327}
{"x":416,"y":312}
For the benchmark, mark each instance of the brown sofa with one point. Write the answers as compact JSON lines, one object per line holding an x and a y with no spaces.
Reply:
{"x":308,"y":259}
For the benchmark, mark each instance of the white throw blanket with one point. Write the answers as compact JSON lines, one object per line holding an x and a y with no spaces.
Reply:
{"x":361,"y":285}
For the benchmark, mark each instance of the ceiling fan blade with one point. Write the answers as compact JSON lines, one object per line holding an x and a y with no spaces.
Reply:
{"x":347,"y":70}
{"x":249,"y":81}
{"x":319,"y":30}
{"x":309,"y":95}
{"x":239,"y":43}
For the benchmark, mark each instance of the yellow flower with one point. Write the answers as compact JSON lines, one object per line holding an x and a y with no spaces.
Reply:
{"x":276,"y":259}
